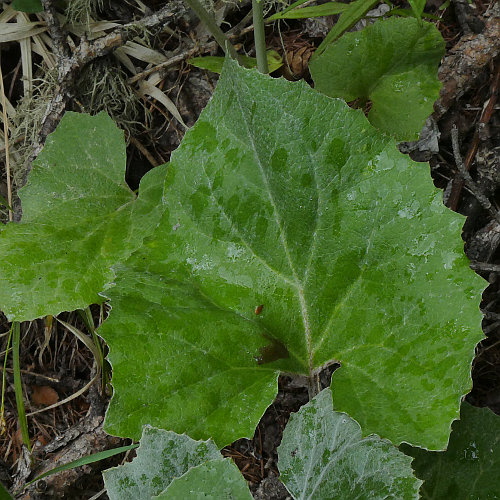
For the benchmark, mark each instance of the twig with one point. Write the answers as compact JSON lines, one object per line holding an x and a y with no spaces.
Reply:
{"x":152,"y":160}
{"x":473,"y":187}
{"x":33,"y":374}
{"x":466,"y":60}
{"x":485,"y":266}
{"x":486,"y":114}
{"x":60,"y":46}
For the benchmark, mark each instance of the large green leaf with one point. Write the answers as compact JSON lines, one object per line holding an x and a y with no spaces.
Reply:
{"x":394,"y":64}
{"x":468,"y":469}
{"x":215,"y":479}
{"x":283,"y":198}
{"x":322,"y":455}
{"x":161,"y":457}
{"x":79,"y":218}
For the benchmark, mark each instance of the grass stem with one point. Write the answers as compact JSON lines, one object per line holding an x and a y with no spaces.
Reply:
{"x":259,"y":35}
{"x":212,"y":26}
{"x":18,"y":386}
{"x":3,"y":424}
{"x":6,"y":139}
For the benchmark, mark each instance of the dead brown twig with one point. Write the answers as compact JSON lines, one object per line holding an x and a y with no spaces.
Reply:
{"x":486,"y":115}
{"x":467,"y":179}
{"x":467,"y":59}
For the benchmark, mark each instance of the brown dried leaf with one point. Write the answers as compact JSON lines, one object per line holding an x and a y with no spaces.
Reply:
{"x":44,"y":395}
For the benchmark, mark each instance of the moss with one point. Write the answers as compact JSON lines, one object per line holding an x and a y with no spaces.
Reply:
{"x":103,"y":86}
{"x":81,"y":11}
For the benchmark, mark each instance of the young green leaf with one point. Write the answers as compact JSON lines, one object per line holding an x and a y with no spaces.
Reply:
{"x":284,"y":201}
{"x":79,"y":218}
{"x":325,"y":9}
{"x":30,"y":6}
{"x":417,"y":7}
{"x":215,"y":63}
{"x":356,"y":10}
{"x":217,"y":479}
{"x":161,"y":457}
{"x":394,"y":64}
{"x":322,"y":455}
{"x":469,"y":467}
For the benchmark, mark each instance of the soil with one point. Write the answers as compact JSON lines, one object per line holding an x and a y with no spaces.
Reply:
{"x":56,"y":364}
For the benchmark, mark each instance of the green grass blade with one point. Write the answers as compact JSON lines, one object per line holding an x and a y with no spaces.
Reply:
{"x":325,"y":9}
{"x":18,"y":386}
{"x":4,"y":494}
{"x":5,"y":203}
{"x":348,"y":19}
{"x":294,"y":5}
{"x":90,"y":459}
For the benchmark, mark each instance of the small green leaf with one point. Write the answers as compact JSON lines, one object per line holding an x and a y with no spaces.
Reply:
{"x":417,"y":7}
{"x":410,"y":13}
{"x":325,"y":9}
{"x":292,"y":6}
{"x":394,"y":64}
{"x":217,"y":479}
{"x":322,"y":455}
{"x":356,"y":10}
{"x":30,"y":6}
{"x":79,"y":218}
{"x":284,"y":198}
{"x":468,"y":469}
{"x":215,"y":63}
{"x":161,"y":457}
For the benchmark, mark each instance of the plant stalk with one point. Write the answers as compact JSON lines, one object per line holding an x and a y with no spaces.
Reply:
{"x":2,"y":405}
{"x":260,"y":35}
{"x":313,"y":385}
{"x":6,"y":139}
{"x":86,"y":315}
{"x":18,"y":386}
{"x":214,"y":29}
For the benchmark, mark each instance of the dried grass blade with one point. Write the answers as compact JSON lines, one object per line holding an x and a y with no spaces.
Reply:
{"x":26,"y":60}
{"x":144,"y":54}
{"x":146,"y":88}
{"x":11,"y":32}
{"x":125,"y":60}
{"x":7,"y":14}
{"x":83,"y":338}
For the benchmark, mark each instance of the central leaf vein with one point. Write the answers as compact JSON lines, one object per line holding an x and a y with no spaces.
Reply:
{"x":299,"y":285}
